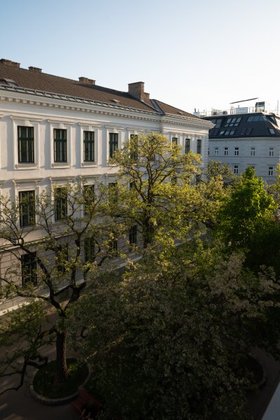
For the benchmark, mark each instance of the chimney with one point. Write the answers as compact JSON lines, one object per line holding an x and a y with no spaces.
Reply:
{"x":86,"y":81}
{"x":137,"y":91}
{"x":9,"y":63}
{"x":35,"y":69}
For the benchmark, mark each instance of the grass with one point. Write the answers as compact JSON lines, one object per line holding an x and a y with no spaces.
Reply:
{"x":45,"y":382}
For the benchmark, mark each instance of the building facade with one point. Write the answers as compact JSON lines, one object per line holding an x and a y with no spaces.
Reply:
{"x":246,"y":139}
{"x":55,"y":130}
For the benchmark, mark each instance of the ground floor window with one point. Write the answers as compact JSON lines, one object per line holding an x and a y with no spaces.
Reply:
{"x":29,"y":268}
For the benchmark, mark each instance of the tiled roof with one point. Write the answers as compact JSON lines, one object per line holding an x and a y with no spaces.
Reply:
{"x":11,"y":74}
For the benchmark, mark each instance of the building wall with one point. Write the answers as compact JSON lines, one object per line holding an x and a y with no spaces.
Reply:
{"x":20,"y":110}
{"x":266,"y":149}
{"x":48,"y":113}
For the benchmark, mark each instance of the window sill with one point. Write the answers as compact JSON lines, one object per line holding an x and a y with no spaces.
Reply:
{"x":26,"y":166}
{"x":61,"y":165}
{"x":88,"y":164}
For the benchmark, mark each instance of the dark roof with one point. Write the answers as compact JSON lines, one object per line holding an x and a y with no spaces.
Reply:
{"x":12,"y":75}
{"x":257,"y":124}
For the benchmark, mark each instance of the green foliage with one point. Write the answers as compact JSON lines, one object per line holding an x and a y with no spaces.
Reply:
{"x":60,"y":271}
{"x":246,"y":210}
{"x":159,"y":177}
{"x":216,"y":169}
{"x":167,"y":340}
{"x":21,"y":338}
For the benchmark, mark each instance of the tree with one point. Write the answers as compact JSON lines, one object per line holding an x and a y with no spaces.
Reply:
{"x":246,"y":210}
{"x":170,"y":339}
{"x":217,"y":169}
{"x":160,"y":179}
{"x":57,"y":242}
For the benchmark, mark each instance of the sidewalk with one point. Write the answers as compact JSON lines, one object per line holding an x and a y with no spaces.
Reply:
{"x":19,"y":405}
{"x":259,"y":400}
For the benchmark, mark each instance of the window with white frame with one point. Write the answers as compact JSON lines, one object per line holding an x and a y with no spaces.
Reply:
{"x":89,"y":146}
{"x":60,"y":145}
{"x":174,"y":141}
{"x":29,"y":268}
{"x":89,"y":198}
{"x":89,"y":249}
{"x":133,"y":235}
{"x":60,"y":203}
{"x":26,"y":208}
{"x":216,"y":151}
{"x":199,"y":146}
{"x":236,"y":169}
{"x":25,"y":144}
{"x":187,"y":145}
{"x":226,"y":151}
{"x":134,"y":147}
{"x":270,"y":171}
{"x":236,"y":151}
{"x":271,"y":152}
{"x":253,"y":151}
{"x":113,"y":143}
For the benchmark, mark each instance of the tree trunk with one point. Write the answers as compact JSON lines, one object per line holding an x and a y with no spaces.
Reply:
{"x":61,"y":362}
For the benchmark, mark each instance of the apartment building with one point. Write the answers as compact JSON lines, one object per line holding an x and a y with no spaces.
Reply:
{"x":55,"y":130}
{"x":246,"y":139}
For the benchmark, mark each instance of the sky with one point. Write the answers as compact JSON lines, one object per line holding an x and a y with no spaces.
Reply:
{"x":190,"y":54}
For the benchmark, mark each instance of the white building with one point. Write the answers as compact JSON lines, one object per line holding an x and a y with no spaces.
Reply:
{"x":246,"y":139}
{"x":55,"y":130}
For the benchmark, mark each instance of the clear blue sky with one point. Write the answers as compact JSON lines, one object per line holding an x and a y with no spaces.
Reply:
{"x":202,"y":54}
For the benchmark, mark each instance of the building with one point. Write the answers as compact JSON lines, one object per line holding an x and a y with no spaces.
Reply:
{"x":242,"y":139}
{"x":55,"y":130}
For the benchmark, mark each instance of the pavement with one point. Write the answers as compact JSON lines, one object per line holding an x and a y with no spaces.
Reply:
{"x":259,"y":401}
{"x":20,"y":405}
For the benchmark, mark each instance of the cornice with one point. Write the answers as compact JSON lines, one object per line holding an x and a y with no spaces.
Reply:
{"x":177,"y":120}
{"x":33,"y":98}
{"x":64,"y":102}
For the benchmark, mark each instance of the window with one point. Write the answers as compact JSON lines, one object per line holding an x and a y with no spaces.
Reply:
{"x":26,"y":208}
{"x":113,"y":246}
{"x":272,"y":131}
{"x":226,"y":151}
{"x":218,"y":123}
{"x":271,"y":151}
{"x":113,"y":193}
{"x":216,"y":151}
{"x":198,"y":146}
{"x":253,"y":151}
{"x":236,"y":169}
{"x":113,"y":143}
{"x":89,"y":155}
{"x":62,"y":256}
{"x":133,"y":235}
{"x":88,"y":198}
{"x":270,"y":171}
{"x":187,"y":145}
{"x":60,"y":203}
{"x":29,"y":268}
{"x":134,"y":147}
{"x":25,"y":144}
{"x":60,"y":145}
{"x":174,"y":141}
{"x":256,"y":118}
{"x":89,"y":249}
{"x":236,"y":151}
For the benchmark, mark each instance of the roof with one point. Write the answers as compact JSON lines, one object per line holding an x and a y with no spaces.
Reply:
{"x":257,"y":124}
{"x":13,"y":76}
